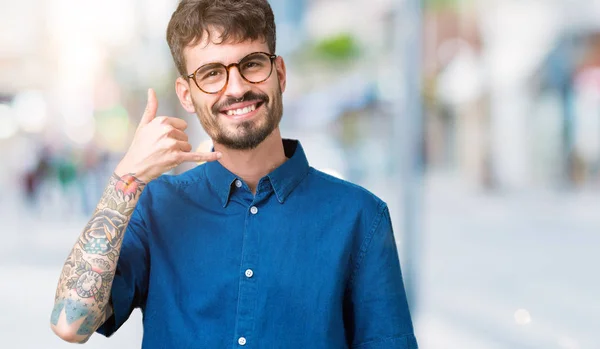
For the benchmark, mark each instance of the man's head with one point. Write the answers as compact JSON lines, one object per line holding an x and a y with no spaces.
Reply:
{"x":248,"y":107}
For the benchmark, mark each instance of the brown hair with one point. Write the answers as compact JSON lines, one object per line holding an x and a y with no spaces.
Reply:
{"x":237,"y":20}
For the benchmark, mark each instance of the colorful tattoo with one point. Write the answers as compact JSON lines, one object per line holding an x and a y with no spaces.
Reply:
{"x":103,"y":232}
{"x":87,"y":276}
{"x":74,"y":310}
{"x":128,"y":187}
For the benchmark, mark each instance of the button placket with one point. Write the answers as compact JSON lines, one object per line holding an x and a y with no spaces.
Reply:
{"x":248,"y":286}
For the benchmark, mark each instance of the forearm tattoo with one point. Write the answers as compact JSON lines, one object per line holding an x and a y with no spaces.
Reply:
{"x":84,"y":286}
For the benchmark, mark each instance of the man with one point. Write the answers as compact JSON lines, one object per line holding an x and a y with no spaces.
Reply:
{"x":254,"y":250}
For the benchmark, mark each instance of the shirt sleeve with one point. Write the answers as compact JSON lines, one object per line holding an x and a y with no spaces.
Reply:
{"x":130,"y":284}
{"x":375,"y":308}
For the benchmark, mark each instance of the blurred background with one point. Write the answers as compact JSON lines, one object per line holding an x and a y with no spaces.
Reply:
{"x":477,"y":121}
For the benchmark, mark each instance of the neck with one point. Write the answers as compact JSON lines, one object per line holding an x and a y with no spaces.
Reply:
{"x":253,"y":164}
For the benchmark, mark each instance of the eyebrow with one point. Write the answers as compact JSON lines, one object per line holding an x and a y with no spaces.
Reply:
{"x":220,"y":62}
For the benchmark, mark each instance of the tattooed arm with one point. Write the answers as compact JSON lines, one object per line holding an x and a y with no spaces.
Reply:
{"x":81,"y":303}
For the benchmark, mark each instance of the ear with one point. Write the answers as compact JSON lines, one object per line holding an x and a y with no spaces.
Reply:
{"x":281,"y":73}
{"x":184,"y":93}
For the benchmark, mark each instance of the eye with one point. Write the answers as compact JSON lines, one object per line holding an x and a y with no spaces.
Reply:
{"x":211,"y":74}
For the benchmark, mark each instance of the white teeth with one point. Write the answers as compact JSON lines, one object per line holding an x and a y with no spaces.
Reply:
{"x":241,"y":111}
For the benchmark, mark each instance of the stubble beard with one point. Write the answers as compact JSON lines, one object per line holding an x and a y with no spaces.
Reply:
{"x":248,"y":134}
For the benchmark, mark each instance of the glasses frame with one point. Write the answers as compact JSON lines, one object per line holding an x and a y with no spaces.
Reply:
{"x":228,"y":67}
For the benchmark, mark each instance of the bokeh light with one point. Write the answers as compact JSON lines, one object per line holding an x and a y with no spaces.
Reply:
{"x":8,"y":124}
{"x":30,"y":109}
{"x":82,"y":132}
{"x":522,"y":317}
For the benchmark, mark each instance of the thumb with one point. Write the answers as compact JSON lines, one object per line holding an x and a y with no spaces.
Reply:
{"x":151,"y":107}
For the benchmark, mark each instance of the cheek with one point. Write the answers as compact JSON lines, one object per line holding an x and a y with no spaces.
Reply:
{"x":271,"y":90}
{"x":203,"y":104}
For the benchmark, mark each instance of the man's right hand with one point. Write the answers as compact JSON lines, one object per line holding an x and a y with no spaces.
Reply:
{"x":159,"y":145}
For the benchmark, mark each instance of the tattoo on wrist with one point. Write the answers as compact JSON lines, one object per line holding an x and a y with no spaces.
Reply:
{"x":105,"y":230}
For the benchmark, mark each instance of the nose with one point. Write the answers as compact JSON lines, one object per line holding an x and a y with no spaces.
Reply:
{"x":236,"y":86}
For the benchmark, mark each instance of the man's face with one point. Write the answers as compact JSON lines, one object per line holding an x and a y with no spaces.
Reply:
{"x":243,"y":114}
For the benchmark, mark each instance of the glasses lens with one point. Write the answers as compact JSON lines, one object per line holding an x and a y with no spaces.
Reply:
{"x":211,"y":78}
{"x":256,"y":67}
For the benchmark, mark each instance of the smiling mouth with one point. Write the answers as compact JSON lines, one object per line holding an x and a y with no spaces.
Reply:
{"x":242,"y":111}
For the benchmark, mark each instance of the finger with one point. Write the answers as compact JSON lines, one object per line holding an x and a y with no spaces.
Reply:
{"x":151,"y":107}
{"x":184,"y":146}
{"x":178,"y":135}
{"x":178,"y":123}
{"x":200,"y":157}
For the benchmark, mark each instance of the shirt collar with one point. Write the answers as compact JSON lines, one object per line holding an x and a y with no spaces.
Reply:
{"x":284,"y":179}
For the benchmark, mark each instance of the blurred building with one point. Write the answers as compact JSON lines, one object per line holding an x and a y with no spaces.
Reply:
{"x":511,"y":106}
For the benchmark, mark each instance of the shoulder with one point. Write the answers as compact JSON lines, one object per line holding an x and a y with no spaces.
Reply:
{"x":349,"y":205}
{"x":193,"y":176}
{"x":345,"y":193}
{"x":169,"y":185}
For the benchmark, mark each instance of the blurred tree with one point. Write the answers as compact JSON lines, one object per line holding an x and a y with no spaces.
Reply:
{"x":339,"y":47}
{"x":443,"y":4}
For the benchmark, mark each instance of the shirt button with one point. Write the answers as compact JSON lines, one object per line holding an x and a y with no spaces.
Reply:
{"x":249,"y":273}
{"x":238,"y":183}
{"x":253,"y":210}
{"x":242,"y":341}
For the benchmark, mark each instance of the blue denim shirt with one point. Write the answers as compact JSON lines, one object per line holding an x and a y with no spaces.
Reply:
{"x":310,"y":261}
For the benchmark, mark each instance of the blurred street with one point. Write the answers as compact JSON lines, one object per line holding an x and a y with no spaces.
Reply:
{"x":487,"y":257}
{"x":481,"y":262}
{"x":477,"y":121}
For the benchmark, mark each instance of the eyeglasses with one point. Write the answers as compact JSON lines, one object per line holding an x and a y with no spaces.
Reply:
{"x":255,"y":68}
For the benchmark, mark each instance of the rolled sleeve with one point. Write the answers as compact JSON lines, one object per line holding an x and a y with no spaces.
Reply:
{"x":376,"y":309}
{"x":129,"y":287}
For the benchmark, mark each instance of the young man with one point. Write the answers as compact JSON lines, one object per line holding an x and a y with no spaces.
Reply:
{"x":254,"y":250}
